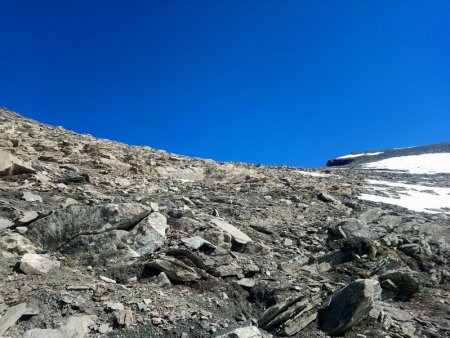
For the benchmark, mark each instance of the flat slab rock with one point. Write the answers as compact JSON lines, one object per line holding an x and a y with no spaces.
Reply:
{"x":237,"y":234}
{"x":11,"y":316}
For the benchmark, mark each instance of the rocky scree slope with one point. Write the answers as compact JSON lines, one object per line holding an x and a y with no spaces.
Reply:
{"x":98,"y":238}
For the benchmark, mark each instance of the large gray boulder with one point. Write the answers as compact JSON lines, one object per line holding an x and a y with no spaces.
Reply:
{"x":348,"y":306}
{"x":64,"y":225}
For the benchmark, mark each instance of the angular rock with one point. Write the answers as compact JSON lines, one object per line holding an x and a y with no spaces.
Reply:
{"x":195,"y":243}
{"x":407,"y":282}
{"x":5,"y":223}
{"x":28,"y":216}
{"x":11,"y":165}
{"x":351,"y":228}
{"x":124,"y":317}
{"x":290,"y":316}
{"x":162,"y":280}
{"x":34,"y":264}
{"x":247,"y":282}
{"x":327,"y":198}
{"x":30,"y":197}
{"x":11,"y":316}
{"x":348,"y":306}
{"x":237,"y":234}
{"x":174,"y":269}
{"x":149,"y":233}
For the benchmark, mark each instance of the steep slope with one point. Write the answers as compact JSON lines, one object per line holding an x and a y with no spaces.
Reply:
{"x":100,"y":238}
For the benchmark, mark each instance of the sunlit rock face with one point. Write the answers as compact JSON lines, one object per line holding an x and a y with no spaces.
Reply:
{"x":101,"y":238}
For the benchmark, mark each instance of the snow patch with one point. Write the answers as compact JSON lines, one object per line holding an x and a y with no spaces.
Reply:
{"x":415,"y":197}
{"x":415,"y":164}
{"x":358,"y":155}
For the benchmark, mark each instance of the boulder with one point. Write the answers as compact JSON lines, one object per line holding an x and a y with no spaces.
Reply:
{"x":75,"y":327}
{"x":406,"y":281}
{"x":348,"y":306}
{"x":34,"y":264}
{"x":59,"y":228}
{"x":11,"y":165}
{"x":351,"y":228}
{"x":149,"y":233}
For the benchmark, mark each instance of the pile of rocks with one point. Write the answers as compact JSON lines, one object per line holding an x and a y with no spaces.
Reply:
{"x":98,"y":238}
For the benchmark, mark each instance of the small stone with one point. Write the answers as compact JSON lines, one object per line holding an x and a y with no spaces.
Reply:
{"x":30,"y":197}
{"x":124,"y":317}
{"x":157,"y":321}
{"x":288,"y":242}
{"x":247,"y":283}
{"x":107,"y":279}
{"x":104,"y":328}
{"x":115,"y":306}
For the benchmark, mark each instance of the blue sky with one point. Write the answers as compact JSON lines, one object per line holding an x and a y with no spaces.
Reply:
{"x":272,"y":82}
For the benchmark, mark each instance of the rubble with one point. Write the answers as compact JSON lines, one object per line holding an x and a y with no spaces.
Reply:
{"x":99,"y":238}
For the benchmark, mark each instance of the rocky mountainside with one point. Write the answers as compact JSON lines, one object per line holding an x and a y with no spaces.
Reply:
{"x":98,"y":238}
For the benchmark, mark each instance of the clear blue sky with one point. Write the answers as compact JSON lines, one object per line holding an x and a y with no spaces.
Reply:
{"x":273,"y":82}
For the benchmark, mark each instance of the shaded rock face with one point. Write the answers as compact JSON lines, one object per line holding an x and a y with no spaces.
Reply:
{"x":348,"y":306}
{"x":55,"y":231}
{"x":156,"y":244}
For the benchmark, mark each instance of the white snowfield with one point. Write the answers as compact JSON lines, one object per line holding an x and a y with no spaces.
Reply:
{"x":414,"y":197}
{"x":415,"y":164}
{"x":359,"y":155}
